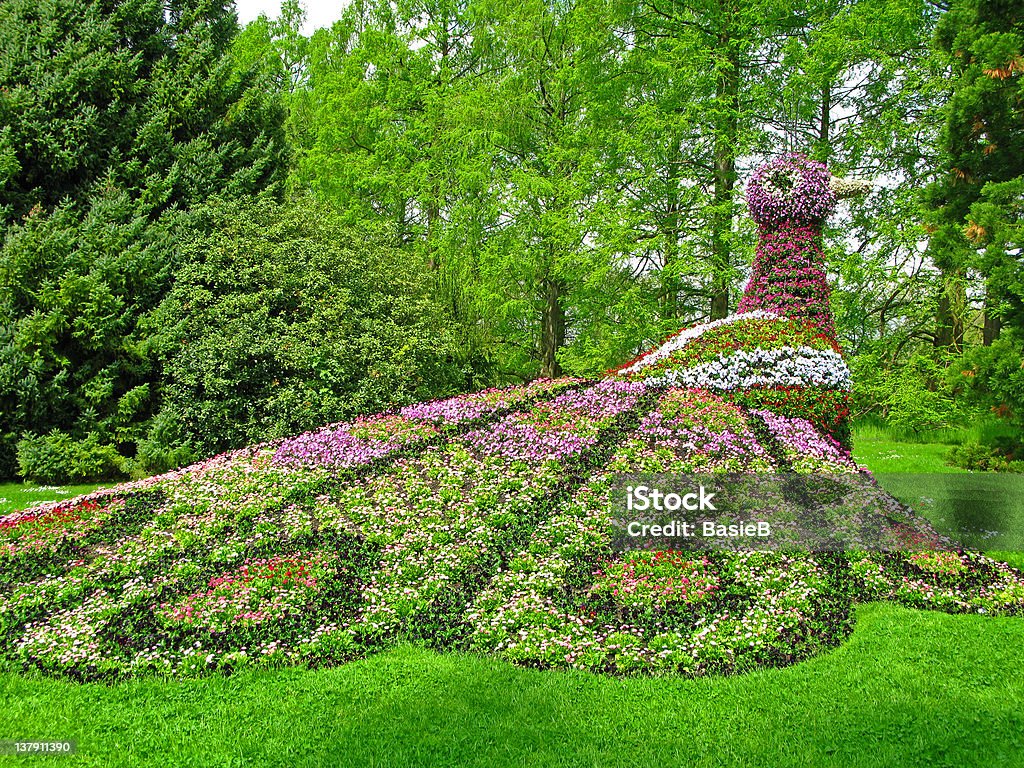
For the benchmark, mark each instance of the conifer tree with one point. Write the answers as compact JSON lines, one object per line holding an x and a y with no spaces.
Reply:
{"x":983,"y":143}
{"x":116,"y":117}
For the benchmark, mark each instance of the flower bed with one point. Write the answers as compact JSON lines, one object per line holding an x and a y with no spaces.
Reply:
{"x":759,"y":359}
{"x":261,"y":590}
{"x":366,"y":440}
{"x":805,"y":448}
{"x":680,"y":339}
{"x":782,"y":367}
{"x":48,"y":527}
{"x":691,"y":431}
{"x":654,"y":612}
{"x":443,"y":518}
{"x":952,"y":581}
{"x":828,"y":410}
{"x":454,"y":411}
{"x":492,"y":536}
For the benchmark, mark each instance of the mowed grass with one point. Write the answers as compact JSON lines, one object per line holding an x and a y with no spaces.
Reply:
{"x":882,"y":454}
{"x":16,"y":496}
{"x":908,"y":688}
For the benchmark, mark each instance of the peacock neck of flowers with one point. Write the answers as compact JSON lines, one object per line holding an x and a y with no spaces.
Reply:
{"x":788,"y":276}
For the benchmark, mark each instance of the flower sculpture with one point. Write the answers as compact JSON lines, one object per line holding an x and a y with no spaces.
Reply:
{"x":789,"y":200}
{"x":481,"y":522}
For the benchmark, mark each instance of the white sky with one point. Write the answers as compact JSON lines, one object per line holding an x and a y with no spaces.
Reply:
{"x":319,"y":13}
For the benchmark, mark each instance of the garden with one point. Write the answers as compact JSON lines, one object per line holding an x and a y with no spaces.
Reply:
{"x":326,"y":355}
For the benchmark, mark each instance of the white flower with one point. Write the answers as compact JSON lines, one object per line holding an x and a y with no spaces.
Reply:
{"x":846,"y":188}
{"x":786,"y":366}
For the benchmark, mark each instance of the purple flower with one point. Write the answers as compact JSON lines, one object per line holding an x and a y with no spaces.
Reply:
{"x":792,"y":190}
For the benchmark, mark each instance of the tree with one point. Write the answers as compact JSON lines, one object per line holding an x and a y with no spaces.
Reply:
{"x":983,"y":144}
{"x":118,"y":117}
{"x":277,"y":324}
{"x":710,"y":58}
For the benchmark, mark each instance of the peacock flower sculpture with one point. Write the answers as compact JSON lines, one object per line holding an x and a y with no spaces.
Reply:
{"x":780,"y":349}
{"x":482,"y":522}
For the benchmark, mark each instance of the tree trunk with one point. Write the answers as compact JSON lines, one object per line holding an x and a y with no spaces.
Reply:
{"x":726,"y":136}
{"x":552,"y":335}
{"x":949,"y":320}
{"x":993,"y":325}
{"x":670,"y":280}
{"x":825,"y":122}
{"x":433,"y":215}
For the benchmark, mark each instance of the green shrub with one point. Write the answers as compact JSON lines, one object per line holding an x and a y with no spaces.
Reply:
{"x":58,"y":458}
{"x":914,"y":395}
{"x":163,"y":448}
{"x":984,"y":458}
{"x":283,"y":319}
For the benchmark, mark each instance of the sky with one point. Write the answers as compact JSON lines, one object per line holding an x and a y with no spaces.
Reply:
{"x":319,"y":13}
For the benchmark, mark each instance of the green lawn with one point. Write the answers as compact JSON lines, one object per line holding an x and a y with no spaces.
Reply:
{"x":15,"y":496}
{"x":980,"y":510}
{"x":908,"y":688}
{"x":881,"y":454}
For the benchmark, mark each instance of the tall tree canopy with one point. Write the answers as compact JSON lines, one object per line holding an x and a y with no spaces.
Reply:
{"x":983,"y":144}
{"x":572,"y":172}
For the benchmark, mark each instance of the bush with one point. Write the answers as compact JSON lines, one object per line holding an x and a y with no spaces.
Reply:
{"x":993,"y":378}
{"x":58,"y":458}
{"x":915,"y":395}
{"x":163,"y":448}
{"x":985,"y":458}
{"x":283,"y":319}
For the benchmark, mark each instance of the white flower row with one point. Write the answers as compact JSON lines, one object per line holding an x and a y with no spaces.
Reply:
{"x":687,"y":335}
{"x":846,"y":188}
{"x":786,"y":366}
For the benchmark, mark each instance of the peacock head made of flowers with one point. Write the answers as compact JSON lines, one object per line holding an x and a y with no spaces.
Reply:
{"x":779,"y":350}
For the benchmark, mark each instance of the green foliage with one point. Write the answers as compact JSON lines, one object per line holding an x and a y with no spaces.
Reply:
{"x":56,"y":457}
{"x":163,"y":447}
{"x":75,"y":288}
{"x":913,"y":396}
{"x":976,"y":457}
{"x":992,"y":378}
{"x":117,"y":116}
{"x":997,"y":219}
{"x":282,"y":319}
{"x":983,"y":161}
{"x":580,"y":197}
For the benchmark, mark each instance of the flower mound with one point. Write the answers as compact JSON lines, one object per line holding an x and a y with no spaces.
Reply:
{"x":492,"y":534}
{"x":482,"y":522}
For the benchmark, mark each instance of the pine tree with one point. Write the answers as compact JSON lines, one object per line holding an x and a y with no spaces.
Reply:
{"x":983,"y":142}
{"x":118,"y":116}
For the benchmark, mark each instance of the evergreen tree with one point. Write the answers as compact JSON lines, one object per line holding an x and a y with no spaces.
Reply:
{"x":118,"y":116}
{"x":983,"y":143}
